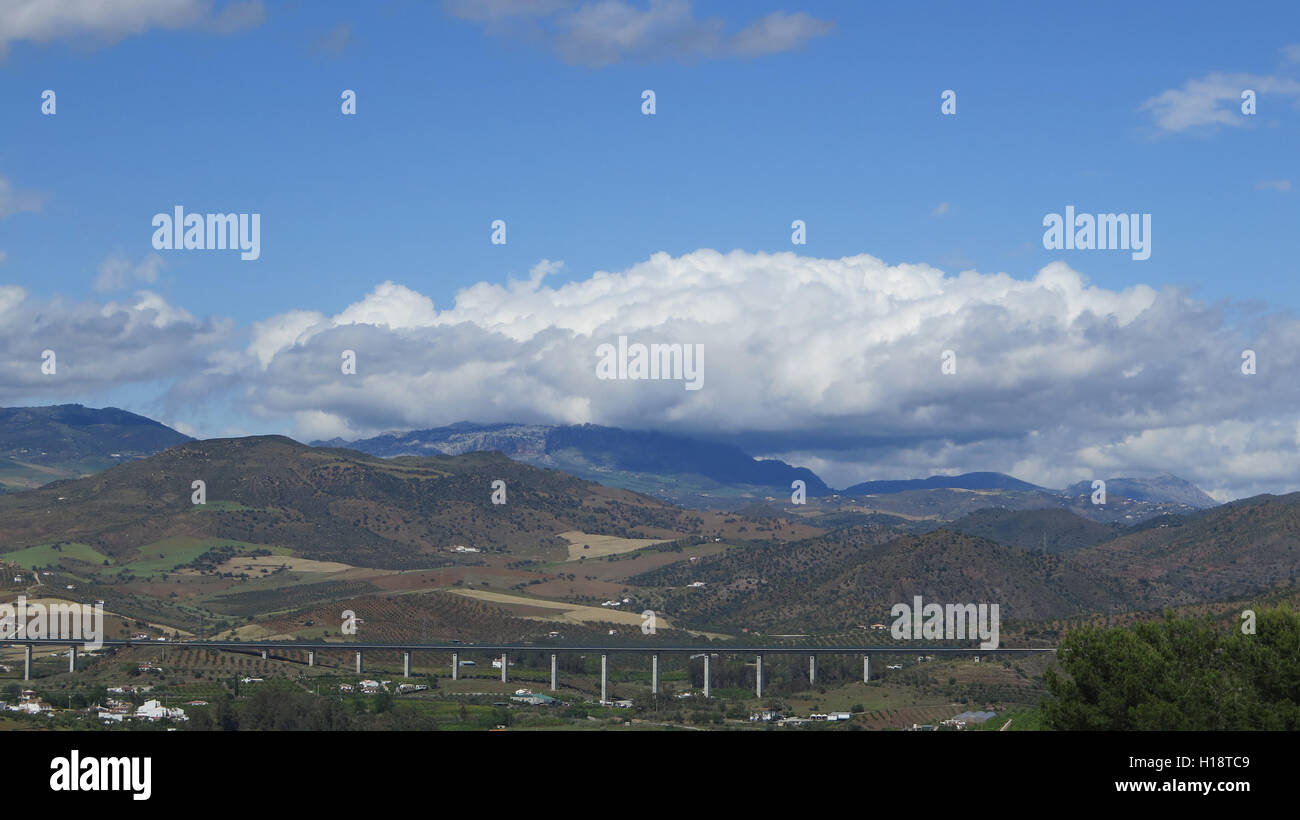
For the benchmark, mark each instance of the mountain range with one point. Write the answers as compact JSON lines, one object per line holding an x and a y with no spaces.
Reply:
{"x":278,"y":527}
{"x":43,"y":444}
{"x":704,"y":474}
{"x":684,"y":470}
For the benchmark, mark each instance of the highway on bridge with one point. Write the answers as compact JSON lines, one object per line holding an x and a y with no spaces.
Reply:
{"x":505,"y":650}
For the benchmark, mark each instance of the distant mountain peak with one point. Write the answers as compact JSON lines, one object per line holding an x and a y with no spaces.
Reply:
{"x":70,"y":440}
{"x":664,"y":463}
{"x":1165,"y":488}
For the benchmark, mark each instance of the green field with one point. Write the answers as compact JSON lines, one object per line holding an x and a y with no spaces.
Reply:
{"x":46,"y":555}
{"x":167,"y":554}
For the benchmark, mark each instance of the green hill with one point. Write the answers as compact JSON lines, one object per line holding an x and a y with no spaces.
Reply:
{"x":328,"y":504}
{"x":43,"y":444}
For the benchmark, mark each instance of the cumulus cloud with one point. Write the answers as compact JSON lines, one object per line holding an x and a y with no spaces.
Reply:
{"x":830,"y":363}
{"x":43,"y":21}
{"x":1281,"y":185}
{"x":608,"y":31}
{"x":1214,"y":99}
{"x":96,"y":346}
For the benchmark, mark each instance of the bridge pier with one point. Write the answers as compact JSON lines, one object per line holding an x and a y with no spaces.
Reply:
{"x":604,"y":679}
{"x":455,"y":665}
{"x":72,"y":659}
{"x":505,"y":667}
{"x":707,"y":686}
{"x":812,"y":670}
{"x":866,"y":669}
{"x":311,"y":657}
{"x":406,"y":664}
{"x":27,"y":663}
{"x":555,"y":677}
{"x":358,"y":661}
{"x":758,"y":678}
{"x":654,"y":674}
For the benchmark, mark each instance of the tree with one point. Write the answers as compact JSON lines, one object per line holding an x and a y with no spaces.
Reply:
{"x":1178,"y":674}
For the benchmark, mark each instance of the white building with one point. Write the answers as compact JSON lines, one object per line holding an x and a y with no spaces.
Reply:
{"x":154,"y":710}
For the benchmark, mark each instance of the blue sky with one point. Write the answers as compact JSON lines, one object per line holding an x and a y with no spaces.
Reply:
{"x":470,"y":113}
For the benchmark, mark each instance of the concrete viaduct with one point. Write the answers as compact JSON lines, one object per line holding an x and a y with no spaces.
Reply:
{"x":505,"y":650}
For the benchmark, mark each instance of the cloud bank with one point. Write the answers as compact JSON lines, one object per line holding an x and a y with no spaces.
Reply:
{"x":97,"y":346}
{"x":832,"y":363}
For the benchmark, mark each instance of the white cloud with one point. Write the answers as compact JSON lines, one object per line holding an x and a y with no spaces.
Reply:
{"x":833,"y":363}
{"x":97,"y":346}
{"x":43,"y":21}
{"x":1214,"y":99}
{"x":778,"y":32}
{"x":281,"y":332}
{"x":940,"y":210}
{"x":608,"y":31}
{"x":117,"y":272}
{"x":149,"y":306}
